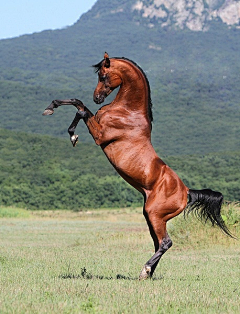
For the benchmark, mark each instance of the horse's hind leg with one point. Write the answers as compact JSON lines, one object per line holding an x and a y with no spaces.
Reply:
{"x":162,"y":243}
{"x":164,"y":202}
{"x":150,"y":266}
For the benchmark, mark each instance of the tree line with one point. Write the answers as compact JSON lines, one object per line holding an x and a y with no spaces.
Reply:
{"x":42,"y":172}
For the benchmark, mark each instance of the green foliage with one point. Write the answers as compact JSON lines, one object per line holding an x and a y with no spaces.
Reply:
{"x":40,"y":172}
{"x":191,"y":231}
{"x":215,"y":171}
{"x":46,"y":173}
{"x":231,"y":215}
{"x":13,"y":212}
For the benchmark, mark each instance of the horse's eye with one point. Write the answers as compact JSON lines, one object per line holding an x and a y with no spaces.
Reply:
{"x":103,"y":78}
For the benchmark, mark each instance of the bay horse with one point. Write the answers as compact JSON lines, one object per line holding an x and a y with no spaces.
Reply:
{"x":123,"y":131}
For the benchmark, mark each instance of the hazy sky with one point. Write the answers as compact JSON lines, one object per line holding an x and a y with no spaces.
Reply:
{"x":19,"y":17}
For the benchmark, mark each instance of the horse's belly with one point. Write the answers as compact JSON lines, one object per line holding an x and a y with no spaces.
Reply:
{"x":138,"y":165}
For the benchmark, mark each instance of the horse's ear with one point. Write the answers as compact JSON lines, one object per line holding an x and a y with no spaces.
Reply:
{"x":107,"y":60}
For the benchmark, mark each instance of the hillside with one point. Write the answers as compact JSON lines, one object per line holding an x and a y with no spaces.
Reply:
{"x":41,"y":172}
{"x":194,"y":75}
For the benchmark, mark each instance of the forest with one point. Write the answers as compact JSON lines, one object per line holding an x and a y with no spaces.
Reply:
{"x":42,"y":172}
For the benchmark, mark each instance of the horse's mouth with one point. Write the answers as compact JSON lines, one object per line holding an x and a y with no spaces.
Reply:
{"x":99,"y":99}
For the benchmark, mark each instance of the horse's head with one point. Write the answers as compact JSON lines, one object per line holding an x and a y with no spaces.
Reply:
{"x":108,"y":80}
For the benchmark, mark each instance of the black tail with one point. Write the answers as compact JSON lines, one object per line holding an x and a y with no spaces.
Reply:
{"x":207,"y":206}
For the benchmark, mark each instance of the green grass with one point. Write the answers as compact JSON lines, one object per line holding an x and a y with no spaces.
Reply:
{"x":89,"y":262}
{"x":13,"y":212}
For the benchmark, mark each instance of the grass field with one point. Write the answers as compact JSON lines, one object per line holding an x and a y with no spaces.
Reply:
{"x":89,"y":262}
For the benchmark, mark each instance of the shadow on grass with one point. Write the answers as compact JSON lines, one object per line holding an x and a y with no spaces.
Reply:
{"x":86,"y":275}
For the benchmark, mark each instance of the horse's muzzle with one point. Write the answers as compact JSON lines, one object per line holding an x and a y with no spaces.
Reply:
{"x":98,"y":99}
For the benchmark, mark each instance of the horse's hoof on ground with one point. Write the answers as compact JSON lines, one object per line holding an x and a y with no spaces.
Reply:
{"x":145,"y":273}
{"x":74,"y":140}
{"x":48,"y":112}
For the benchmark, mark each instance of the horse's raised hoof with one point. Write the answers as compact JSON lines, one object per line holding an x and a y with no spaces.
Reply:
{"x":48,"y":112}
{"x":74,"y":140}
{"x":145,"y":273}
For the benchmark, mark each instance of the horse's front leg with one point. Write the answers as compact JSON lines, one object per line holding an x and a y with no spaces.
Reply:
{"x":66,"y":102}
{"x":49,"y":110}
{"x":74,"y":137}
{"x":83,"y":113}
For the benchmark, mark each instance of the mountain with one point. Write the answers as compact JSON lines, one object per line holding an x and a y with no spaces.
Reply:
{"x":195,"y":15}
{"x":193,"y":70}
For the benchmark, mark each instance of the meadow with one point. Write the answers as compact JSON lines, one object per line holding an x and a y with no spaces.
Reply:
{"x":89,"y":262}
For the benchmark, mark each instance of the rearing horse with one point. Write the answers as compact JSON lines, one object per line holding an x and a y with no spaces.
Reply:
{"x":123,"y":130}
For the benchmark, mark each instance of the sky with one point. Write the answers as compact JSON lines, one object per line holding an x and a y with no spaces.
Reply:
{"x":20,"y":17}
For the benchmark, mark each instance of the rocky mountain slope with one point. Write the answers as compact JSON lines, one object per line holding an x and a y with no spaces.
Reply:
{"x":196,"y":15}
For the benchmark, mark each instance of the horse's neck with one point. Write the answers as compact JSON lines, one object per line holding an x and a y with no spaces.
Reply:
{"x":133,"y":92}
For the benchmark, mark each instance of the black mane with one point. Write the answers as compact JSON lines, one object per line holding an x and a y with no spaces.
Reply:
{"x":99,"y":65}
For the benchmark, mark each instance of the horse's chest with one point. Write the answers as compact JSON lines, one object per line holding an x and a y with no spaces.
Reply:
{"x":111,"y":119}
{"x":101,"y":117}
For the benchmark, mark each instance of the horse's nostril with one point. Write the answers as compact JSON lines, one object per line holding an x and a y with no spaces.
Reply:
{"x":98,"y":99}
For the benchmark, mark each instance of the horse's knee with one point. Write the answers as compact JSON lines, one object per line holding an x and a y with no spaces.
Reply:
{"x":75,"y":100}
{"x":82,"y":114}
